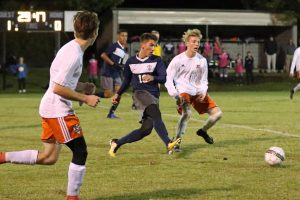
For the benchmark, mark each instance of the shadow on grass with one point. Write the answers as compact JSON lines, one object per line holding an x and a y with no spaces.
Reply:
{"x":183,"y":193}
{"x":189,"y":149}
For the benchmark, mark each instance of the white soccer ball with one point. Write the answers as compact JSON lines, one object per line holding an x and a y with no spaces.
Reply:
{"x":274,"y":156}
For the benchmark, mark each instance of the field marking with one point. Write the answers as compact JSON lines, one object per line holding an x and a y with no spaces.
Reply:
{"x":227,"y":125}
{"x":245,"y":127}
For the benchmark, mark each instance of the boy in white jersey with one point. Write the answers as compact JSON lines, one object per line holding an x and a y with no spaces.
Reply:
{"x":59,"y":122}
{"x":187,"y":83}
{"x":295,"y":66}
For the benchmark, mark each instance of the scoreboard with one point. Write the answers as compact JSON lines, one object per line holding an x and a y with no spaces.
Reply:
{"x":30,"y":21}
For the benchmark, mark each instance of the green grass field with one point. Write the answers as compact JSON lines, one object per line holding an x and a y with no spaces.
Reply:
{"x":252,"y":122}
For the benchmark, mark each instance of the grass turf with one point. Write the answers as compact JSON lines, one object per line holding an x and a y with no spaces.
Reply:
{"x":232,"y":168}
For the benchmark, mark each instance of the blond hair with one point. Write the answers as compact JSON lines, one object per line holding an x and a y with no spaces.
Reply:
{"x":191,"y":32}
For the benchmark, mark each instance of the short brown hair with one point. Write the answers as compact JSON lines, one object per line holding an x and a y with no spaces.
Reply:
{"x":148,"y":36}
{"x":85,"y":24}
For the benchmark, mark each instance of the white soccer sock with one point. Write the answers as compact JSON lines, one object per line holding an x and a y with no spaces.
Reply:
{"x":212,"y":119}
{"x":75,"y":178}
{"x":27,"y":157}
{"x":297,"y":87}
{"x":183,"y":121}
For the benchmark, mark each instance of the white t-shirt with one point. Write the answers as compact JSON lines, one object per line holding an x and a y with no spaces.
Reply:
{"x":65,"y":70}
{"x":296,"y":61}
{"x":187,"y":75}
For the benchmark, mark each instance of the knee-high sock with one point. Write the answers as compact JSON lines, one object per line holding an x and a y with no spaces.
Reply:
{"x":75,"y":178}
{"x":113,"y":108}
{"x":297,"y":87}
{"x":27,"y":157}
{"x":183,"y":120}
{"x":212,"y":119}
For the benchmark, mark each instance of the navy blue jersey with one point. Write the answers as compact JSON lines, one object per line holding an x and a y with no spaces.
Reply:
{"x":136,"y":67}
{"x":116,"y":53}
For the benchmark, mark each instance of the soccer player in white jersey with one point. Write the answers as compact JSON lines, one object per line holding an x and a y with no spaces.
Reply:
{"x":187,"y":83}
{"x":59,"y":122}
{"x":295,"y":65}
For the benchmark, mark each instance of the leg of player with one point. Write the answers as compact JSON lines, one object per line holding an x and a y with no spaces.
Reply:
{"x":293,"y":90}
{"x":159,"y":126}
{"x":136,"y":135}
{"x":182,"y":123}
{"x":77,"y":167}
{"x":113,"y":108}
{"x":214,"y":115}
{"x":30,"y":157}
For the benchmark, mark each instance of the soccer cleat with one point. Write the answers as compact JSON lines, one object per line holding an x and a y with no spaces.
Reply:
{"x":113,"y":147}
{"x":172,"y":144}
{"x":72,"y":198}
{"x":205,"y":136}
{"x":2,"y":158}
{"x":292,"y":93}
{"x":112,"y":116}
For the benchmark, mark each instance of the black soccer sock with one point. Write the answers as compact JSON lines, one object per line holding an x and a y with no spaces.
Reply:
{"x":113,"y":108}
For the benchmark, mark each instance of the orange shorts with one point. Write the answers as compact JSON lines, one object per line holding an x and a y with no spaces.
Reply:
{"x":200,"y":106}
{"x":61,"y":129}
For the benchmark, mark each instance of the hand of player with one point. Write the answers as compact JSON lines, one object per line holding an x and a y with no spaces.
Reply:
{"x":147,"y":78}
{"x":116,"y":99}
{"x":92,"y":100}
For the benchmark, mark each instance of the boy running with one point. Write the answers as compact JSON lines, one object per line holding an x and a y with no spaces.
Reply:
{"x":187,"y":83}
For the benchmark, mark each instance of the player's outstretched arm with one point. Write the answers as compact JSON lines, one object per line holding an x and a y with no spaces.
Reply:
{"x":70,"y":94}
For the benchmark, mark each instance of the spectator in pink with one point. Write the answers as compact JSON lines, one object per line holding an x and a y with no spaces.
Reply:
{"x":217,"y":48}
{"x":181,"y":47}
{"x":207,"y":49}
{"x":93,"y":69}
{"x":239,"y":69}
{"x":223,"y":65}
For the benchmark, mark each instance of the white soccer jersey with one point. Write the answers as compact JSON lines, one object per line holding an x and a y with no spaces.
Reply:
{"x":296,"y":61}
{"x":65,"y":70}
{"x":187,"y":75}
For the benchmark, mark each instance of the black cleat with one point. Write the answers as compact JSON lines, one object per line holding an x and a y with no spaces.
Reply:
{"x":292,"y":93}
{"x":205,"y":136}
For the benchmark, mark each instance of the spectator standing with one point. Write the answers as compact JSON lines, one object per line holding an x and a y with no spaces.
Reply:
{"x":223,"y":65}
{"x":181,"y":47}
{"x":217,"y":48}
{"x":93,"y":69}
{"x":249,"y":65}
{"x":289,"y":52}
{"x":168,"y":50}
{"x":239,"y":69}
{"x":207,"y":47}
{"x":271,"y":53}
{"x":22,"y":75}
{"x":157,"y":49}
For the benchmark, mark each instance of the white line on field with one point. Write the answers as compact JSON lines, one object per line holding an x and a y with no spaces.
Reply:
{"x":245,"y":127}
{"x":232,"y":125}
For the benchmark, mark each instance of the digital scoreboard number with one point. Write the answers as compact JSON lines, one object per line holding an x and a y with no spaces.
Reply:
{"x":31,"y":21}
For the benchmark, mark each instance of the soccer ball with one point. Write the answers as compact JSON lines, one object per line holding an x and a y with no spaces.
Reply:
{"x":274,"y":156}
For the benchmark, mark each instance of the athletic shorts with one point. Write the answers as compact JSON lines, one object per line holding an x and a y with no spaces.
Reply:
{"x":142,"y":99}
{"x":200,"y":106}
{"x":61,"y":129}
{"x":108,"y":83}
